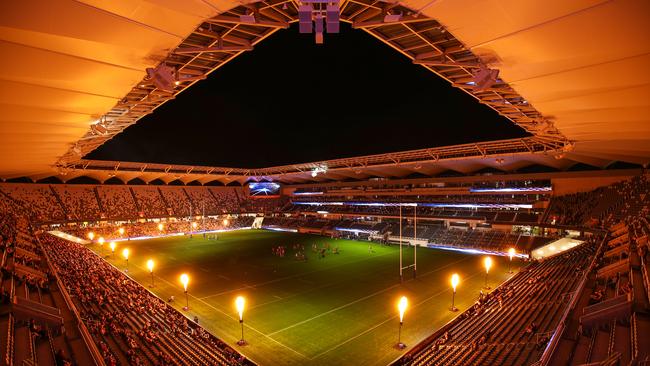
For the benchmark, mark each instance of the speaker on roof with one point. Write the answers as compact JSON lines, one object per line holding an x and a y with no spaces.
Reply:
{"x":319,"y":28}
{"x":392,"y":18}
{"x":247,"y":18}
{"x":304,"y":18}
{"x":332,"y":18}
{"x":485,"y":78}
{"x":98,"y":129}
{"x":162,"y":77}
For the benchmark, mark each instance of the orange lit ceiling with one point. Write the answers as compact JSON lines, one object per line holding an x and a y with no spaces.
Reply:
{"x":582,"y":66}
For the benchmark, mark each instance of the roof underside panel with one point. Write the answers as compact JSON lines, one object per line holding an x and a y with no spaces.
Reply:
{"x":585,"y":64}
{"x":65,"y":63}
{"x":581,"y":64}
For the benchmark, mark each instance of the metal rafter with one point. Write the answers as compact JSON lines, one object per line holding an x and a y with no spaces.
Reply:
{"x":410,"y":160}
{"x":215,"y":42}
{"x":220,"y":39}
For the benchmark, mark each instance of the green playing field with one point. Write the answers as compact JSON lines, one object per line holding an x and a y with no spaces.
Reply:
{"x":338,"y":310}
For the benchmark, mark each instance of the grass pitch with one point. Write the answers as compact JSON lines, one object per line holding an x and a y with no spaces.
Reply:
{"x":340,"y":310}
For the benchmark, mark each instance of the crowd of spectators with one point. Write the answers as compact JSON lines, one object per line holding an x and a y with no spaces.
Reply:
{"x":38,"y":201}
{"x":80,"y":201}
{"x":128,"y":322}
{"x":475,"y":238}
{"x":449,"y":198}
{"x":150,"y":202}
{"x":228,"y":198}
{"x":603,"y":206}
{"x":117,"y":202}
{"x":111,"y":231}
{"x":495,"y":214}
{"x":264,"y":205}
{"x":176,"y":199}
{"x":509,"y":325}
{"x":56,"y":203}
{"x":616,"y":310}
{"x":27,"y":280}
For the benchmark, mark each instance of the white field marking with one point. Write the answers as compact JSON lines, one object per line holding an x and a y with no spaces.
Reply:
{"x":205,"y":269}
{"x":224,"y":277}
{"x":310,"y":290}
{"x":385,"y":321}
{"x":296,"y":294}
{"x":290,"y":277}
{"x":233,"y":319}
{"x":357,"y":300}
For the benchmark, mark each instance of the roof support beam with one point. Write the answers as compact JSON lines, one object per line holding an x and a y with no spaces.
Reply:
{"x":378,"y":23}
{"x":470,"y":65}
{"x":245,"y":21}
{"x":185,"y":50}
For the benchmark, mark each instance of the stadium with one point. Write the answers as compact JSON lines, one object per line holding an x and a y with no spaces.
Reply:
{"x":325,"y":182}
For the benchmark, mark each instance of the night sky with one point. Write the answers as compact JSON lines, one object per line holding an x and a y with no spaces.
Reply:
{"x":292,"y":101}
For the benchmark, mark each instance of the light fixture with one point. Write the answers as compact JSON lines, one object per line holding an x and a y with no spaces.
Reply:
{"x":455,"y":279}
{"x":392,"y":18}
{"x":488,"y":264}
{"x":239,"y":304}
{"x":150,"y":265}
{"x":401,"y":307}
{"x":162,"y":76}
{"x":125,"y":254}
{"x":185,"y":279}
{"x":484,"y":78}
{"x":247,"y":18}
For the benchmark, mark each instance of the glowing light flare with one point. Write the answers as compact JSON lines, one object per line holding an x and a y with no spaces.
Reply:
{"x":488,"y":264}
{"x":185,"y":279}
{"x":121,"y":231}
{"x":194,"y":225}
{"x":161,"y":227}
{"x":91,"y":235}
{"x":125,"y":253}
{"x":401,"y":306}
{"x":511,"y":253}
{"x":101,"y":240}
{"x":455,"y":279}
{"x":112,"y":245}
{"x":239,"y":304}
{"x":225,"y":222}
{"x":150,"y":265}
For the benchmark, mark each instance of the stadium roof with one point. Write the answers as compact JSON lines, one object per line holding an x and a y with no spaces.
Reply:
{"x":575,"y":74}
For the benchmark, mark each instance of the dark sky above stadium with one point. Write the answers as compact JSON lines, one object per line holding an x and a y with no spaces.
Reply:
{"x":292,"y":101}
